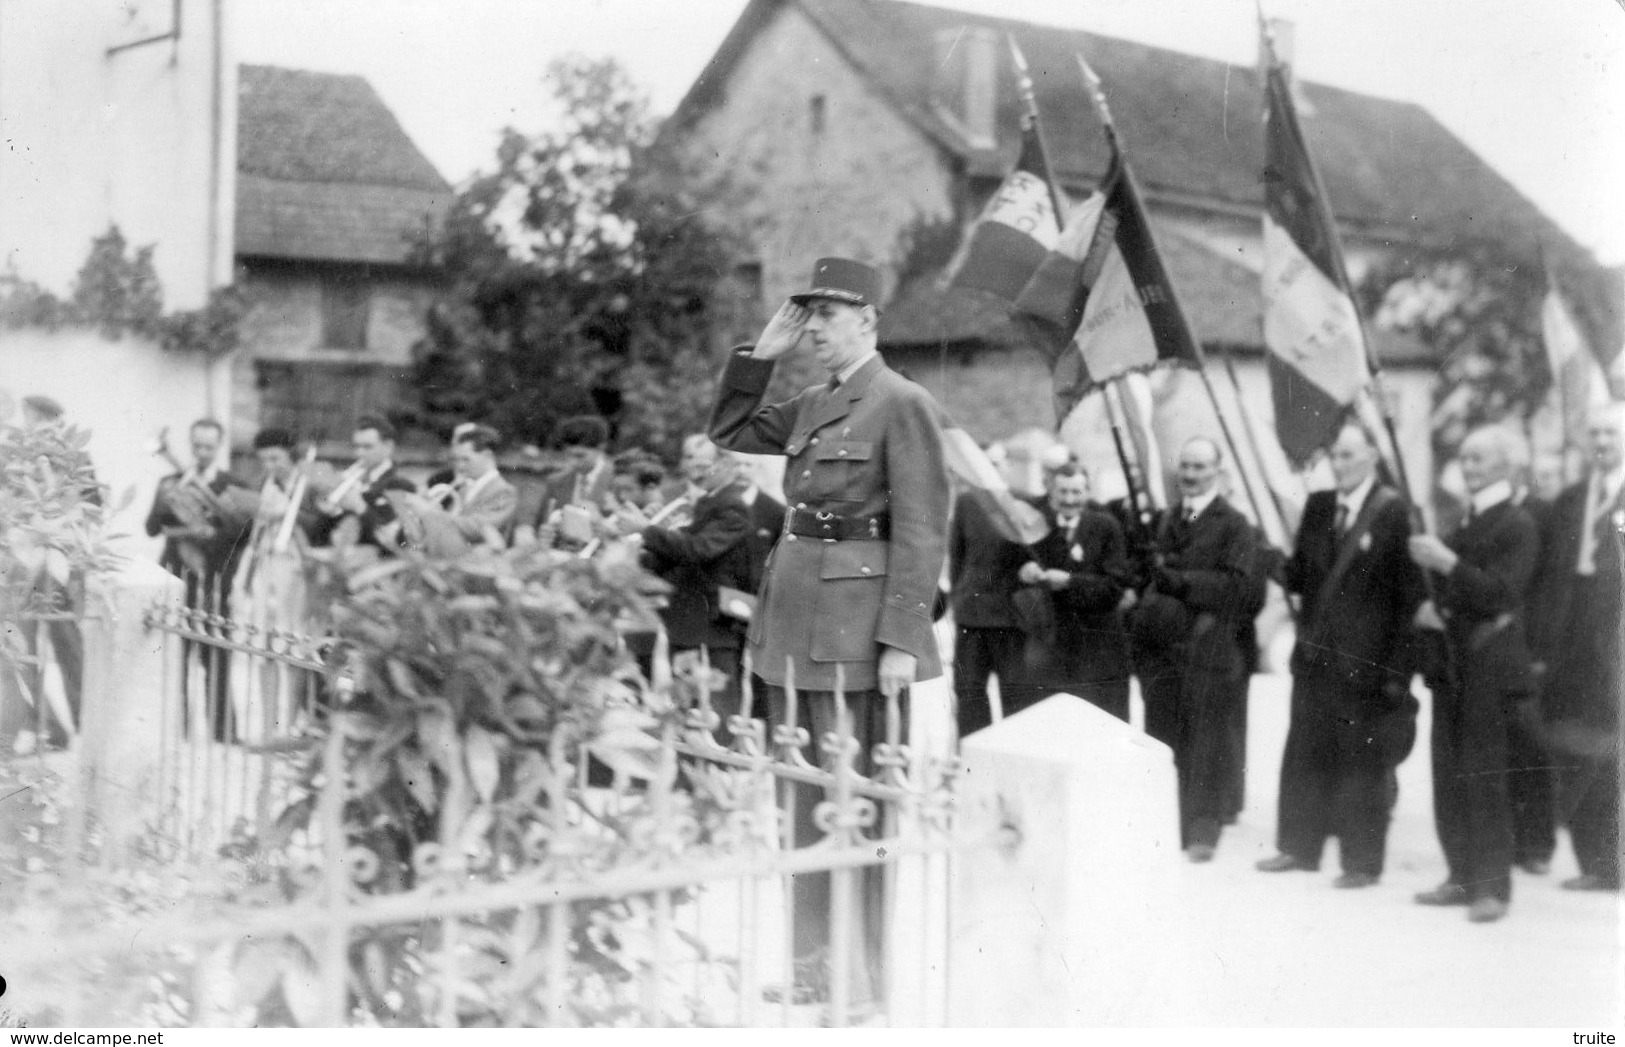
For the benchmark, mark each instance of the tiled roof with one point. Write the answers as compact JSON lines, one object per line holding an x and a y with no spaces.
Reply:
{"x":325,"y":172}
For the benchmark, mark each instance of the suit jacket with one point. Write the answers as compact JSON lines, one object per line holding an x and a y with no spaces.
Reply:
{"x":1090,"y":643}
{"x":573,"y":486}
{"x":711,"y":551}
{"x":493,"y":506}
{"x":1360,"y":591}
{"x":767,"y":524}
{"x":871,"y":448}
{"x":982,"y":568}
{"x":218,"y":554}
{"x":1483,"y":599}
{"x":1574,"y":622}
{"x":1210,"y":559}
{"x":376,"y":512}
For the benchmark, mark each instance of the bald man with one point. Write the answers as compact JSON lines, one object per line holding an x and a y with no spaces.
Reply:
{"x":1482,"y":576}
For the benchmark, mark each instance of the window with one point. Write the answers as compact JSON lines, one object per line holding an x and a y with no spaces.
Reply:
{"x":322,"y":399}
{"x":345,"y":302}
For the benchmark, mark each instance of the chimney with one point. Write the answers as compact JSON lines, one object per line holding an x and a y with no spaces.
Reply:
{"x":967,"y":87}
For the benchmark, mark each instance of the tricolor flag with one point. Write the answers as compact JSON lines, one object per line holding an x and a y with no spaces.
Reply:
{"x":1121,"y":314}
{"x":1017,"y":228}
{"x":1316,"y":351}
{"x":1015,"y":520}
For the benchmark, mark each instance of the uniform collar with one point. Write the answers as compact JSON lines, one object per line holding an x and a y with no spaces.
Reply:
{"x":1491,"y":496}
{"x":845,"y":374}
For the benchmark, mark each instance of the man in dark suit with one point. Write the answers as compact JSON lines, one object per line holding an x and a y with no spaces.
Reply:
{"x":486,"y":501}
{"x":988,"y":641}
{"x":1350,"y":670}
{"x":1186,"y":629}
{"x":848,"y":594}
{"x":1082,"y":563}
{"x":1575,"y":634}
{"x":358,"y":510}
{"x":204,"y":534}
{"x":1482,"y":577}
{"x":699,"y":559}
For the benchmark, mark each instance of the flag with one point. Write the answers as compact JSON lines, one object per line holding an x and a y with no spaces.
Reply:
{"x":1577,"y":380}
{"x":1316,"y":351}
{"x":1016,"y":229}
{"x":1015,"y":520}
{"x":1122,"y":314}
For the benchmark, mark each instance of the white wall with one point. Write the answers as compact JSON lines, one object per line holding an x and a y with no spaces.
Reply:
{"x":123,"y":391}
{"x":145,"y":139}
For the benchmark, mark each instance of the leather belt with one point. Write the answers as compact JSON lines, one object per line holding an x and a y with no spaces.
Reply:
{"x":833,"y":527}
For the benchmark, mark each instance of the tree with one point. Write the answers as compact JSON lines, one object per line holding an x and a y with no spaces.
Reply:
{"x":1480,"y":311}
{"x":583,"y":278}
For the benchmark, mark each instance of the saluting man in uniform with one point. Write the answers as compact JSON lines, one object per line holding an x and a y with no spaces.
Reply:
{"x":851,"y":583}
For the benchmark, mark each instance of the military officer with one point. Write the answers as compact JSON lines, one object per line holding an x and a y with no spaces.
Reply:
{"x":848,"y":592}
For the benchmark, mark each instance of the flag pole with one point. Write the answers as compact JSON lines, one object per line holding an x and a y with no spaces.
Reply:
{"x":1323,"y":206}
{"x":1029,"y":104}
{"x":1254,"y":444}
{"x":1141,"y":527}
{"x":1097,"y":95}
{"x":1029,"y":114}
{"x":1373,"y":366}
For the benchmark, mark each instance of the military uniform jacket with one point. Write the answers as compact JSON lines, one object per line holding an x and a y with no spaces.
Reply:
{"x":870,"y":448}
{"x":1360,"y":589}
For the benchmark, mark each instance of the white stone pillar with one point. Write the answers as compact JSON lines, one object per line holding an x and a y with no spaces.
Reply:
{"x":121,"y":728}
{"x":1072,"y":919}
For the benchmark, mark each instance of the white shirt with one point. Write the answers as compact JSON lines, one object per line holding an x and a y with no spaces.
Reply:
{"x":1490,"y":497}
{"x":204,"y":477}
{"x":1191,"y":508}
{"x":378,"y":470}
{"x":1354,"y":501}
{"x":470,"y":488}
{"x":845,"y":374}
{"x":1601,"y":491}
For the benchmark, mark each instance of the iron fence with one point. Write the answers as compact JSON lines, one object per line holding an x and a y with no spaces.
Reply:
{"x":660,"y":898}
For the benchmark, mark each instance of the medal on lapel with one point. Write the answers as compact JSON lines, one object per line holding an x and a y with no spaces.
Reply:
{"x":1077,"y":553}
{"x":1365,"y":542}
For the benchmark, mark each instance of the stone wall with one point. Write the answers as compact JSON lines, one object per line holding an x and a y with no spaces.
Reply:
{"x":794,"y":192}
{"x":285,"y":324}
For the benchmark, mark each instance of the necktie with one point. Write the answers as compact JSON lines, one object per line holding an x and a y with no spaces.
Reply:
{"x":1342,"y":517}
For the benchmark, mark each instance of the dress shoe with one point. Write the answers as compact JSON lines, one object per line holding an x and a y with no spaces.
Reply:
{"x":1590,"y":882}
{"x":1284,"y":863}
{"x":1535,"y":866}
{"x":1352,"y":880}
{"x":1199,"y":852}
{"x":1486,"y":910}
{"x":1444,"y":894}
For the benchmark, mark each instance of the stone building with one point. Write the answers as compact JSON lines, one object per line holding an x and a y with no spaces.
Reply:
{"x":330,"y":194}
{"x":877,"y":129}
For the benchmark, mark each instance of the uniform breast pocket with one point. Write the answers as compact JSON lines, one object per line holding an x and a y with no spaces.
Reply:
{"x":851,"y":588}
{"x":837,"y":466}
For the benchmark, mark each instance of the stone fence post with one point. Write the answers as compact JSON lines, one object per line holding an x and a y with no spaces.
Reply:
{"x":121,"y":719}
{"x":1065,"y":926}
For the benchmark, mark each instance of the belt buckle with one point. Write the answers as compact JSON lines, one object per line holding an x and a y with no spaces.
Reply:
{"x":826,"y":525}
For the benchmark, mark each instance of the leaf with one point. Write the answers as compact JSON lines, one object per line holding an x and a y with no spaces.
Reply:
{"x":438,"y":740}
{"x":484,"y":762}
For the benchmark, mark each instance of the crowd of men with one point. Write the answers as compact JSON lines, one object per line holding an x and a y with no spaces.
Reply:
{"x":1513,"y":620}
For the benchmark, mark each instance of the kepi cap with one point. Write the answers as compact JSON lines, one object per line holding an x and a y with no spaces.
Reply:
{"x":843,"y":280}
